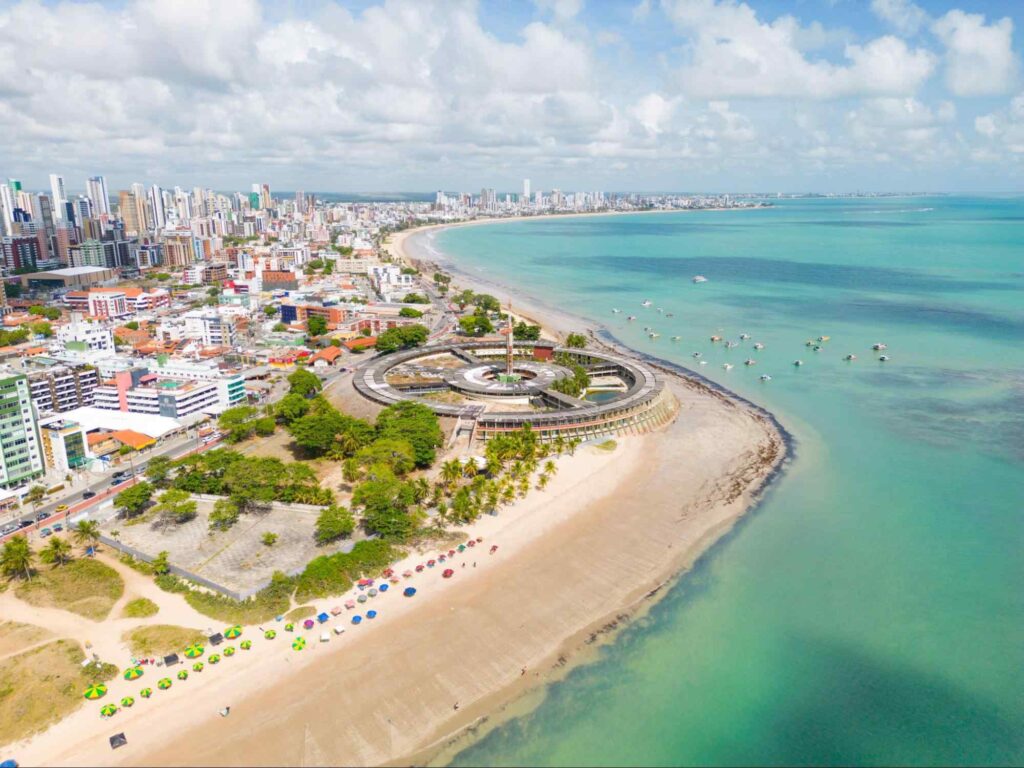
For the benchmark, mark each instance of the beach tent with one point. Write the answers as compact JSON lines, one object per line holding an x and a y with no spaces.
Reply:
{"x":133,"y":673}
{"x":146,"y":693}
{"x":357,"y":619}
{"x":118,"y":740}
{"x":194,"y":651}
{"x":164,"y":683}
{"x":322,"y":617}
{"x":96,"y":691}
{"x":339,"y":630}
{"x":9,"y":764}
{"x":246,"y":645}
{"x":365,"y":582}
{"x":371,"y":614}
{"x":350,"y":604}
{"x":409,"y":591}
{"x":362,"y":599}
{"x":183,"y":674}
{"x":372,"y":592}
{"x":388,"y":573}
{"x":289,"y":627}
{"x":407,"y":574}
{"x":308,"y":624}
{"x":335,"y":611}
{"x":170,"y":661}
{"x":325,"y":637}
{"x":232,"y":632}
{"x":216,"y":639}
{"x":127,"y":701}
{"x":462,"y":547}
{"x":108,"y":710}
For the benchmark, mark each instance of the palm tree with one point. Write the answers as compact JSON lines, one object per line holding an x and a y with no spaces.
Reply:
{"x":573,"y":445}
{"x":35,"y":495}
{"x":524,"y":486}
{"x":56,"y":552}
{"x":451,"y":471}
{"x":16,"y":558}
{"x":549,"y":467}
{"x":469,"y":468}
{"x":542,"y":481}
{"x":420,"y":489}
{"x":559,"y":444}
{"x":494,"y":466}
{"x":87,"y":533}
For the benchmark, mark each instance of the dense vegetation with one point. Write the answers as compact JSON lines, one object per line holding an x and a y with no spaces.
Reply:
{"x":404,"y":337}
{"x":334,"y":574}
{"x":244,"y":421}
{"x":524,"y":332}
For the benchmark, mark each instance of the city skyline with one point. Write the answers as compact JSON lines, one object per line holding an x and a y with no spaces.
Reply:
{"x":682,"y":95}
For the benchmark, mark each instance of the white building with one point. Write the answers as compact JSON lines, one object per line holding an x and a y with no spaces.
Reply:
{"x":79,"y":336}
{"x":389,"y":281}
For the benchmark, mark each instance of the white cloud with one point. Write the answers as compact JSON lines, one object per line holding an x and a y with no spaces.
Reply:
{"x":980,"y":60}
{"x":563,"y":10}
{"x":732,"y":53}
{"x":903,"y":15}
{"x":1003,"y":130}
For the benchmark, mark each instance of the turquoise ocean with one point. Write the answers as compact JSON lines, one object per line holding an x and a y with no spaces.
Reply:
{"x":871,"y":609}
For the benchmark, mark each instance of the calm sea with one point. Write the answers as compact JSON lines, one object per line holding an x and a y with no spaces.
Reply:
{"x":872,"y":609}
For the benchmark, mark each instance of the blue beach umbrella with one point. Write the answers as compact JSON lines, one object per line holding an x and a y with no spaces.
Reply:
{"x":409,"y":591}
{"x":371,"y":614}
{"x":357,"y":619}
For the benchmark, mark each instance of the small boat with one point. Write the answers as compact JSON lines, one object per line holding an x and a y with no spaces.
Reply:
{"x":817,"y":348}
{"x":654,"y":335}
{"x":696,"y":354}
{"x":731,"y":344}
{"x":715,"y":339}
{"x":809,"y":343}
{"x":631,"y":317}
{"x":703,"y":362}
{"x":727,"y":366}
{"x":699,"y":279}
{"x":884,"y":358}
{"x":798,"y":362}
{"x":616,"y":310}
{"x":879,"y":347}
{"x":645,"y":303}
{"x":824,"y":338}
{"x":750,"y":362}
{"x":677,"y":338}
{"x":744,"y":336}
{"x":850,"y":357}
{"x":759,"y":345}
{"x":765,"y":377}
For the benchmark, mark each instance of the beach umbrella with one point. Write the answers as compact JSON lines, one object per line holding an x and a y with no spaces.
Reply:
{"x":133,"y":673}
{"x":289,"y":627}
{"x":388,"y":572}
{"x":194,"y":651}
{"x":407,"y":574}
{"x":419,"y":568}
{"x":451,"y":553}
{"x":298,"y":643}
{"x":183,"y":674}
{"x":431,"y":563}
{"x":462,"y":547}
{"x":362,"y":598}
{"x":232,"y":632}
{"x":470,"y":543}
{"x":383,"y":587}
{"x":442,"y":558}
{"x":197,"y":667}
{"x":409,"y":591}
{"x":164,"y":683}
{"x":308,"y":623}
{"x":127,"y":701}
{"x":372,"y":593}
{"x":146,"y":693}
{"x":371,"y":614}
{"x":270,"y":634}
{"x":357,"y":619}
{"x":214,"y":659}
{"x":96,"y":691}
{"x":448,"y":573}
{"x":246,"y":645}
{"x":229,"y":651}
{"x":108,"y":710}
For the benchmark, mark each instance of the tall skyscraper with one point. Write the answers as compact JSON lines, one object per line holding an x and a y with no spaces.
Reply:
{"x":7,"y":206}
{"x":129,"y":213}
{"x":526,"y":190}
{"x":59,"y":195}
{"x":20,"y":455}
{"x":96,"y":191}
{"x":156,"y":204}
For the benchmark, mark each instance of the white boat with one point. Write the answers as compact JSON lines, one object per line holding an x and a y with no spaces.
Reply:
{"x":699,"y":279}
{"x":616,"y":310}
{"x":677,"y":338}
{"x":798,"y":362}
{"x":715,"y":339}
{"x":850,"y":357}
{"x":883,"y":358}
{"x":703,"y":362}
{"x":750,"y":362}
{"x":744,"y":336}
{"x":654,"y":335}
{"x":731,"y":344}
{"x":765,"y":377}
{"x":631,"y":317}
{"x":879,"y":346}
{"x":645,"y":303}
{"x":759,"y":345}
{"x":728,"y":366}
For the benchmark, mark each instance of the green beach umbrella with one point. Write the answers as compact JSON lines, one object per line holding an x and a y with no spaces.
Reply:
{"x":96,"y":691}
{"x":289,"y":627}
{"x":164,"y":683}
{"x":127,"y":701}
{"x":197,"y":667}
{"x":146,"y":693}
{"x":215,"y":659}
{"x":229,"y":651}
{"x":183,"y":674}
{"x":299,"y":643}
{"x":232,"y":632}
{"x":133,"y":673}
{"x":246,"y":645}
{"x":270,"y":634}
{"x":194,"y":651}
{"x":108,"y":710}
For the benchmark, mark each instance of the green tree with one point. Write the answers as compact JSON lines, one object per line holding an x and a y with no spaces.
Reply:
{"x":409,"y":312}
{"x":316,"y":325}
{"x":269,"y":310}
{"x":132,"y":325}
{"x":475,"y":325}
{"x":224,"y":515}
{"x":523,"y":332}
{"x":576,"y":341}
{"x":268,"y":539}
{"x":405,"y":337}
{"x":158,"y":469}
{"x":484,"y":302}
{"x":325,"y":431}
{"x":162,"y":563}
{"x":16,"y":558}
{"x":395,"y":454}
{"x":35,"y":496}
{"x":56,"y":552}
{"x":463,"y":298}
{"x":334,"y":523}
{"x":304,"y":383}
{"x":244,"y":421}
{"x":415,"y":298}
{"x":414,"y":423}
{"x":87,"y":532}
{"x":291,"y":407}
{"x":175,"y":506}
{"x":385,"y":502}
{"x":451,"y":473}
{"x":134,"y":499}
{"x":279,"y":327}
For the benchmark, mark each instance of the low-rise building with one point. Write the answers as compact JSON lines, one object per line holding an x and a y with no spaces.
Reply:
{"x":64,"y":446}
{"x":81,"y":336}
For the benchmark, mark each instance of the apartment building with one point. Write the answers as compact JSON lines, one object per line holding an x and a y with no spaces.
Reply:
{"x":62,"y":388}
{"x":21,"y":458}
{"x":63,"y":445}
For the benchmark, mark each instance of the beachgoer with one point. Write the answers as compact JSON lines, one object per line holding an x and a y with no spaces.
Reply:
{"x":456,"y":707}
{"x":522,"y":671}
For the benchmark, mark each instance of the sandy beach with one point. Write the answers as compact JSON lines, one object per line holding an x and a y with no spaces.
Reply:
{"x":574,"y":562}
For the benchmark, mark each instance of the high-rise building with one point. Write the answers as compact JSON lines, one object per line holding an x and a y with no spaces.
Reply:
{"x":20,"y":252}
{"x":179,"y":249}
{"x":21,"y":458}
{"x":141,"y":209}
{"x":156,"y":205}
{"x":96,"y":191}
{"x":62,"y":388}
{"x":129,"y":212}
{"x":526,"y":190}
{"x":7,"y":206}
{"x":60,"y":196}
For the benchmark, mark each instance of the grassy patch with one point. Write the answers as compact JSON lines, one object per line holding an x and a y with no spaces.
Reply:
{"x":139,"y":565}
{"x":41,"y":686}
{"x":15,"y":636}
{"x":161,"y":639}
{"x":140,"y":608}
{"x":607,"y":445}
{"x":302,"y":612}
{"x":261,"y":607}
{"x":84,"y":586}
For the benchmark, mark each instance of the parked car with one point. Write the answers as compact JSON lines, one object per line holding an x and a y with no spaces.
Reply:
{"x":43,"y":515}
{"x":88,"y":494}
{"x":61,"y":508}
{"x":9,"y":528}
{"x":58,"y":528}
{"x":24,"y":523}
{"x":45,"y":532}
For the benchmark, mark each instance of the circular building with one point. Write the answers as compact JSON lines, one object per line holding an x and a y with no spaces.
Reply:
{"x":491,"y":387}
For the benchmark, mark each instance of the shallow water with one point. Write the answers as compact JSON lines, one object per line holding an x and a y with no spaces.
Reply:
{"x":871,"y":610}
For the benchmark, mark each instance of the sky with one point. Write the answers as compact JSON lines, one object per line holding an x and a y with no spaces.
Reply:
{"x":417,"y":95}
